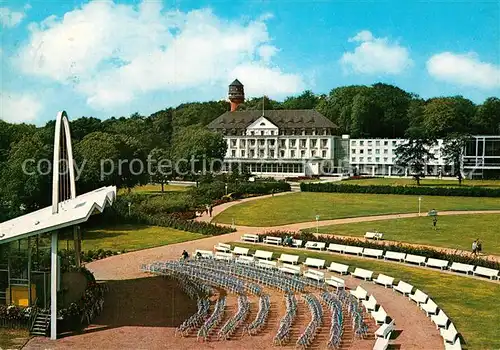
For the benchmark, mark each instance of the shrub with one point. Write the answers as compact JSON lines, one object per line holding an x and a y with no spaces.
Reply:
{"x":473,"y":191}
{"x":458,"y":256}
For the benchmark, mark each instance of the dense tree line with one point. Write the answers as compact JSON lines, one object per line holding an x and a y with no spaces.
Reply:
{"x":379,"y":110}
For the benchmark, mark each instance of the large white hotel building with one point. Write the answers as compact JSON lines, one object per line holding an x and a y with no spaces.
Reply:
{"x":291,"y":143}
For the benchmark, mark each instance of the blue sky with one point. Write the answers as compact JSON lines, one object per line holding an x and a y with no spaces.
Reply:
{"x":107,"y":59}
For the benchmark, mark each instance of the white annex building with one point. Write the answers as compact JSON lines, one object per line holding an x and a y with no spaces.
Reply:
{"x":292,"y":143}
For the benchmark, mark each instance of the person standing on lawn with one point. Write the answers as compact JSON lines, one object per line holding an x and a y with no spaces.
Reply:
{"x":434,"y":222}
{"x":479,"y":246}
{"x":474,"y":247}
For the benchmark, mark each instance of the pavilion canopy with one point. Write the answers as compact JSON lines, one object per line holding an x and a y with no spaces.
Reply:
{"x":71,"y":212}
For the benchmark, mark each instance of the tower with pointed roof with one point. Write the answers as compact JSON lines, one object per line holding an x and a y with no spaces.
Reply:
{"x":236,"y":94}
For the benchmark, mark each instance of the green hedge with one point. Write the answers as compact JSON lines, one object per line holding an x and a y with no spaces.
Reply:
{"x":258,"y":187}
{"x":458,"y":256}
{"x":474,"y":191}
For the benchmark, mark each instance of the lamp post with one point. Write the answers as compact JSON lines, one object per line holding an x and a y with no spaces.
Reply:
{"x":226,"y":188}
{"x":129,"y":204}
{"x":419,"y":204}
{"x":317,"y":224}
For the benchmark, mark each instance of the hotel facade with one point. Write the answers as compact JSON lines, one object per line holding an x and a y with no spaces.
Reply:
{"x":292,"y":143}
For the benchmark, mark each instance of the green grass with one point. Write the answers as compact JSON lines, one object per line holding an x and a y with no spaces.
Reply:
{"x":470,"y":303}
{"x":13,"y":338}
{"x":133,"y":237}
{"x":304,"y":206}
{"x":153,"y":188}
{"x":423,"y":182}
{"x":455,"y":231}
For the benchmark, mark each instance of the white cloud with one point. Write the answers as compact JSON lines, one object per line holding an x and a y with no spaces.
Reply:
{"x":375,"y":56}
{"x":9,"y":18}
{"x":114,"y":53}
{"x":464,"y":69}
{"x":19,"y":108}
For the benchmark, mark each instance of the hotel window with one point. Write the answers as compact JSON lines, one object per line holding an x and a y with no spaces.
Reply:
{"x":303,"y":143}
{"x":272,"y":132}
{"x":292,"y":153}
{"x":242,"y":143}
{"x":262,"y":132}
{"x":261,"y":153}
{"x":233,"y":143}
{"x":386,"y":143}
{"x":361,"y":151}
{"x":353,"y":151}
{"x":377,"y":143}
{"x":292,"y":143}
{"x":377,"y":159}
{"x":385,"y":159}
{"x":361,"y":143}
{"x":369,"y":151}
{"x":353,"y":143}
{"x":393,"y":143}
{"x":385,"y":151}
{"x":369,"y":143}
{"x":323,"y":154}
{"x":233,"y":153}
{"x":242,"y":153}
{"x":313,"y":153}
{"x":303,"y":131}
{"x":252,"y":133}
{"x":271,"y":142}
{"x":313,"y":143}
{"x":324,"y":143}
{"x":252,"y":153}
{"x":353,"y":159}
{"x":271,"y":153}
{"x":302,"y":154}
{"x":369,"y":159}
{"x":282,"y":154}
{"x":325,"y":132}
{"x":262,"y":142}
{"x":361,"y":159}
{"x":377,"y":151}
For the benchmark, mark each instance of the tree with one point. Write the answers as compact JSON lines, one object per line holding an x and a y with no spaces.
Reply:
{"x":198,"y":150}
{"x":306,"y":100}
{"x":446,"y":115}
{"x":161,"y":172}
{"x":415,"y":155}
{"x":365,"y":115}
{"x":453,"y":151}
{"x":487,"y":118}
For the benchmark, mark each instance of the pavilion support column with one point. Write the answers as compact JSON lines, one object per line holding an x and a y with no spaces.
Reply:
{"x":77,"y":244}
{"x":53,"y":286}
{"x":30,"y":301}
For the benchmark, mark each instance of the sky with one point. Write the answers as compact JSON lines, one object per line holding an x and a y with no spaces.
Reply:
{"x":105,"y":58}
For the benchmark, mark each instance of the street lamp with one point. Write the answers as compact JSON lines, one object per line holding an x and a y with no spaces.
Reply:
{"x":226,"y":188}
{"x":419,"y":204}
{"x":129,"y":204}
{"x":317,"y":224}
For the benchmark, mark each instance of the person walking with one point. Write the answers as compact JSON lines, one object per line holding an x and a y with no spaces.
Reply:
{"x":479,"y":247}
{"x":210,"y":210}
{"x":474,"y":247}
{"x":434,"y":222}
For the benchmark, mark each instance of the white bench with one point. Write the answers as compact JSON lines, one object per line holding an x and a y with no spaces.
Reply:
{"x":403,"y":287}
{"x":291,"y":269}
{"x":240,"y":251}
{"x":382,"y":343}
{"x":442,"y":264}
{"x":223,"y":256}
{"x":430,"y":307}
{"x":486,"y":272}
{"x":449,"y":335}
{"x":386,"y":281}
{"x":440,"y":320}
{"x":462,"y":267}
{"x":455,"y":346}
{"x":243,"y":259}
{"x":362,"y":273}
{"x":250,"y":238}
{"x":336,"y":247}
{"x":339,"y":268}
{"x":419,"y":297}
{"x":273,"y":240}
{"x":376,"y":253}
{"x":206,"y":254}
{"x":415,"y":259}
{"x":359,"y":293}
{"x":297,"y":243}
{"x":353,"y":250}
{"x":266,"y":264}
{"x":336,"y":282}
{"x":287,"y":258}
{"x":380,"y":316}
{"x":319,"y":263}
{"x":374,"y":235}
{"x":263,"y":254}
{"x":385,"y":330}
{"x":315,"y":275}
{"x":222,"y":247}
{"x":370,"y":304}
{"x":394,"y":256}
{"x":315,"y":245}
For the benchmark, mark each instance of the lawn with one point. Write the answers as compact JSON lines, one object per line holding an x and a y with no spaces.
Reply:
{"x":304,"y":206}
{"x":455,"y":231}
{"x":133,"y":237}
{"x":423,"y":182}
{"x":470,"y":303}
{"x":13,"y":338}
{"x":153,"y":188}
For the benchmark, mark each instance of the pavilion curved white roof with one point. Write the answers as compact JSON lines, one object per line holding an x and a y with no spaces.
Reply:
{"x":71,"y":212}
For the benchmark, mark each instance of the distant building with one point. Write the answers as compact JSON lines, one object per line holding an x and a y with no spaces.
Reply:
{"x":290,"y":143}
